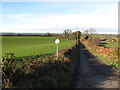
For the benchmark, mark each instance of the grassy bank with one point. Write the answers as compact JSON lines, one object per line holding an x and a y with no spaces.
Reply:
{"x":41,"y":71}
{"x":104,"y":54}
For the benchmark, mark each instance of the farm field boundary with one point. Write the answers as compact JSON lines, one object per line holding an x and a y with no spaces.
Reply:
{"x":40,"y":71}
{"x":107,"y":55}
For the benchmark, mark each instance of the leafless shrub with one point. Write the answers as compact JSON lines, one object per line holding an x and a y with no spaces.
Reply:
{"x":94,"y":41}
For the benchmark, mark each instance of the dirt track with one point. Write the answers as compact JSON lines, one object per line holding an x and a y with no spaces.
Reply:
{"x":92,"y":73}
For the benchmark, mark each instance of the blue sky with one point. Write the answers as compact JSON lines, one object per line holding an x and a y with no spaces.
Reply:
{"x":58,"y":16}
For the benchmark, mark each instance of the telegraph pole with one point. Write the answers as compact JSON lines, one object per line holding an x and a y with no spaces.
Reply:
{"x":77,"y":38}
{"x":77,"y":35}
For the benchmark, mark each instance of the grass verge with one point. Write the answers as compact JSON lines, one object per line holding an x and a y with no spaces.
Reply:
{"x":104,"y":58}
{"x":40,"y":71}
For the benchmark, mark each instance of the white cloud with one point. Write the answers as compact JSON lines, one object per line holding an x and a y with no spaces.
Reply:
{"x":106,"y":17}
{"x":20,"y":17}
{"x":100,"y":18}
{"x":107,"y":32}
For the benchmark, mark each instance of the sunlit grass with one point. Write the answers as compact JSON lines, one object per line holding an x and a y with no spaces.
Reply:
{"x":29,"y":45}
{"x":112,"y":44}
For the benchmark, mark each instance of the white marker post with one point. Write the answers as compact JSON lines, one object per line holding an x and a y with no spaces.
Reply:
{"x":57,"y":41}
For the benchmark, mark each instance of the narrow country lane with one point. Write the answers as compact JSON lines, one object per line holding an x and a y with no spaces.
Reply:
{"x":92,"y":73}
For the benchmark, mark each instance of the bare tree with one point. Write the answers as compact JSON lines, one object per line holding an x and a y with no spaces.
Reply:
{"x":67,"y":33}
{"x":86,"y":32}
{"x":92,"y":31}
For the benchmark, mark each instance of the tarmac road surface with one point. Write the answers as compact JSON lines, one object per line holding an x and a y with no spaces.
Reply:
{"x":92,"y":73}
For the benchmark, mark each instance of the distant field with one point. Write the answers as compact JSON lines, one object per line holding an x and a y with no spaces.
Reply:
{"x":112,"y":44}
{"x":30,"y":45}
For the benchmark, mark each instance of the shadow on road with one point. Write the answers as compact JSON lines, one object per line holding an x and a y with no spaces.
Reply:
{"x":92,"y":73}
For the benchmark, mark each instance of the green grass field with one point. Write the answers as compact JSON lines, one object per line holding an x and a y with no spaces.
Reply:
{"x":112,"y":44}
{"x":24,"y":46}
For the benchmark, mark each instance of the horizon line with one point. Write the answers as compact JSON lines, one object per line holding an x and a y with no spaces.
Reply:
{"x":57,"y":32}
